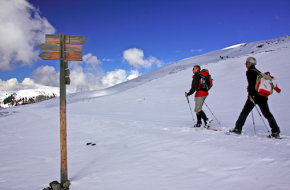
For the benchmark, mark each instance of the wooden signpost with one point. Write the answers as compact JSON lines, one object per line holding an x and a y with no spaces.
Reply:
{"x":63,"y":48}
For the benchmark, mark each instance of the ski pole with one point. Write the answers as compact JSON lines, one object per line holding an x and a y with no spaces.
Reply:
{"x":190,"y":109}
{"x":254,"y":122}
{"x":262,"y":118}
{"x":212,"y":113}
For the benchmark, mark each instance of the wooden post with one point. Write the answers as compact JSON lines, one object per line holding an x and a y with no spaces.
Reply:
{"x":56,"y":49}
{"x":63,"y":135}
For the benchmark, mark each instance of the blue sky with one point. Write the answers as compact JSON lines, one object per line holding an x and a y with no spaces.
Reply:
{"x":166,"y":30}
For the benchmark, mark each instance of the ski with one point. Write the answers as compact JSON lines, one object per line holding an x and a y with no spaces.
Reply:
{"x":215,"y":129}
{"x":237,"y":135}
{"x":202,"y":128}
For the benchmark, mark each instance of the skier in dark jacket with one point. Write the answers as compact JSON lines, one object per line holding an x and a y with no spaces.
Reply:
{"x":255,"y":98}
{"x":200,"y":97}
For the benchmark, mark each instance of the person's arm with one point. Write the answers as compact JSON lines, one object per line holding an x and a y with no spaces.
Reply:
{"x":251,"y":77}
{"x":194,"y":84}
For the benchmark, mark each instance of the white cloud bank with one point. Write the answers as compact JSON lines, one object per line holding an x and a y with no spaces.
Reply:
{"x":88,"y":75}
{"x":21,"y":29}
{"x":135,"y":57}
{"x":134,"y":74}
{"x":84,"y":76}
{"x":12,"y":84}
{"x":89,"y":58}
{"x":46,"y":75}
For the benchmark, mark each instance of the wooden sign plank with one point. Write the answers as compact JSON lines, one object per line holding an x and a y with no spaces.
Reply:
{"x":68,"y":39}
{"x":55,"y":47}
{"x":70,"y":56}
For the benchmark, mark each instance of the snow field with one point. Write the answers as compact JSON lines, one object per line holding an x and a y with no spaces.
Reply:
{"x":144,"y":136}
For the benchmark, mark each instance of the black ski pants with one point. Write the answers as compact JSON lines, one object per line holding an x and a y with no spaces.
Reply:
{"x":263,"y":104}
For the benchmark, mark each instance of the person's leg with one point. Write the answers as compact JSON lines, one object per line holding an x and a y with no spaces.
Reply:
{"x":198,"y":118}
{"x":203,"y":116}
{"x":200,"y":112}
{"x":263,"y":104}
{"x":244,"y":114}
{"x":198,"y":103}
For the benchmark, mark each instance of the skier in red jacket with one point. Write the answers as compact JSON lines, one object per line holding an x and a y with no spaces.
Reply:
{"x":200,"y":97}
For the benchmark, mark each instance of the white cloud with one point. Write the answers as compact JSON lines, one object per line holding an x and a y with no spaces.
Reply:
{"x":198,"y":50}
{"x":134,"y":74}
{"x":135,"y":57}
{"x":84,"y":76}
{"x":91,"y":59}
{"x":12,"y":84}
{"x":92,"y":64}
{"x":91,"y":76}
{"x":114,"y":77}
{"x":81,"y":80}
{"x":21,"y":29}
{"x":28,"y":82}
{"x":42,"y":76}
{"x":107,"y":60}
{"x":85,"y":80}
{"x":46,"y":75}
{"x":88,"y":75}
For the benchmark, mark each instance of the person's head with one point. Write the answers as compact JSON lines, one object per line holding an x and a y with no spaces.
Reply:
{"x":250,"y":62}
{"x":196,"y":69}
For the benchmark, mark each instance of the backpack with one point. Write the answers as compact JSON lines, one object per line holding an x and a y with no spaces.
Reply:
{"x":265,"y":83}
{"x":205,"y":80}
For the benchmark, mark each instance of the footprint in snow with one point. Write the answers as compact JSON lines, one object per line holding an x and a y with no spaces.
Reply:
{"x":267,"y":160}
{"x":235,"y":168}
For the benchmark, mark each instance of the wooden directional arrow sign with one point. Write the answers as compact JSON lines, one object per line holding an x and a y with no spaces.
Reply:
{"x":55,"y":47}
{"x":68,"y":39}
{"x":51,"y":47}
{"x":70,"y":56}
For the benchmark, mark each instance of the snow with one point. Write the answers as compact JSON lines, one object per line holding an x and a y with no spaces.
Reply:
{"x":28,"y":93}
{"x":144,"y":136}
{"x":43,"y":90}
{"x":234,"y":46}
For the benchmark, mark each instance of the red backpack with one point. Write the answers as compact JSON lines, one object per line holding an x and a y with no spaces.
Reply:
{"x":265,"y":84}
{"x":205,"y":81}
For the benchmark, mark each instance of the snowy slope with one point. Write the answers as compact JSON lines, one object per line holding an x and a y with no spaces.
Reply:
{"x":28,"y":93}
{"x":249,"y":49}
{"x":143,"y":135}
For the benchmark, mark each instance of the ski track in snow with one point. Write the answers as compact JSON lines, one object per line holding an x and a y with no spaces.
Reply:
{"x":144,"y":136}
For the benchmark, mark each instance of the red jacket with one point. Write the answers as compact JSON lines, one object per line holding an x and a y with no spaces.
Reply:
{"x":195,"y":85}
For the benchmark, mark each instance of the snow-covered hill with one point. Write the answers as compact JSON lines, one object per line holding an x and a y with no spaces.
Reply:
{"x":231,"y":54}
{"x":24,"y":95}
{"x":143,"y":134}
